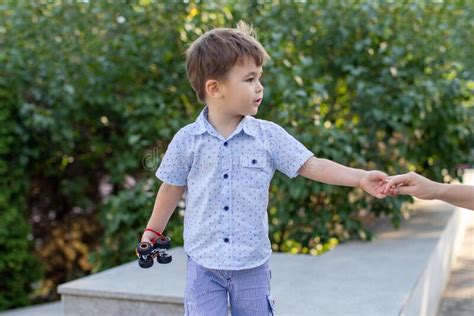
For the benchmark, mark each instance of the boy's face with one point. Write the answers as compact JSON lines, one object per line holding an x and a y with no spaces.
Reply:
{"x":242,"y":92}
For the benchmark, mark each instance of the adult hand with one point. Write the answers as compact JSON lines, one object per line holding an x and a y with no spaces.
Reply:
{"x":411,"y":184}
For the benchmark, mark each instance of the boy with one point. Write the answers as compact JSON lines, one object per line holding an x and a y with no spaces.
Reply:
{"x":224,"y":161}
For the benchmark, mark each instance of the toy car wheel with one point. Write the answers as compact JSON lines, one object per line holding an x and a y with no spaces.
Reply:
{"x":145,"y":263}
{"x":144,"y":248}
{"x":163,"y":242}
{"x":166,"y":258}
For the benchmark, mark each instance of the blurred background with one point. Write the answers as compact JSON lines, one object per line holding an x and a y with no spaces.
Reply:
{"x":91,"y":93}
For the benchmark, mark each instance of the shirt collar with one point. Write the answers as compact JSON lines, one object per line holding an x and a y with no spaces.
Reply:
{"x":202,"y":124}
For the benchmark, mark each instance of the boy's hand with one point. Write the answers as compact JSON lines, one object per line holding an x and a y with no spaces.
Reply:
{"x":374,"y":183}
{"x":149,"y":237}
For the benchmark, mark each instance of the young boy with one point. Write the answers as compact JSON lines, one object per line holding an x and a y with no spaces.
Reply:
{"x":224,"y":161}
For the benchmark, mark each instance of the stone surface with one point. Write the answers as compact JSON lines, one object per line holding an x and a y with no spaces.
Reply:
{"x":402,"y":272}
{"x":458,"y":299}
{"x":47,"y":309}
{"x":357,"y":278}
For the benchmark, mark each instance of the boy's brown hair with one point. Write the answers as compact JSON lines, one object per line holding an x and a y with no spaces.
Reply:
{"x":215,"y":52}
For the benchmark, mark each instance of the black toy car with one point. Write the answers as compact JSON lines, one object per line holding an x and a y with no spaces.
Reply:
{"x":146,"y":252}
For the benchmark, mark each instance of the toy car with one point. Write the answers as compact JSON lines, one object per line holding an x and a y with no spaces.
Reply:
{"x":146,"y":252}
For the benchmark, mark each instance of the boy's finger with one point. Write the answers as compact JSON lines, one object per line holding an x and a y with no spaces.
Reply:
{"x":387,"y":188}
{"x":396,"y":181}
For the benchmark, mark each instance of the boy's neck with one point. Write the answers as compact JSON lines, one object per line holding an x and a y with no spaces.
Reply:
{"x":224,"y":123}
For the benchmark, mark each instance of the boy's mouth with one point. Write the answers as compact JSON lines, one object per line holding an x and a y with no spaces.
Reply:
{"x":258,"y":101}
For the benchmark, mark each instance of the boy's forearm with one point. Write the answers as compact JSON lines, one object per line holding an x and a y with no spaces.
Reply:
{"x":167,"y":199}
{"x":330,"y":172}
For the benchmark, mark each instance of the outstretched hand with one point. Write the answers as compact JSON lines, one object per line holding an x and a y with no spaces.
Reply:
{"x":418,"y":186}
{"x":374,"y":183}
{"x":410,"y":184}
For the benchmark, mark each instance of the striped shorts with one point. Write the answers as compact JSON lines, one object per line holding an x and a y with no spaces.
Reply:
{"x":212,"y":292}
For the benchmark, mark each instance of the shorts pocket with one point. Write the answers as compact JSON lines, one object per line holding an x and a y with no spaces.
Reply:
{"x":271,"y":305}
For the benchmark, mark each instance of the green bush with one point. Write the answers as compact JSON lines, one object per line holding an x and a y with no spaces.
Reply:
{"x":19,"y":267}
{"x":99,"y":90}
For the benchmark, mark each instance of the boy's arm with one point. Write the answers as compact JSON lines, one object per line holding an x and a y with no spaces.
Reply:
{"x":167,"y":199}
{"x":327,"y":171}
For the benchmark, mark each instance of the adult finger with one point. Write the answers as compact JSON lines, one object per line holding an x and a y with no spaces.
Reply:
{"x":399,"y":179}
{"x":405,"y":190}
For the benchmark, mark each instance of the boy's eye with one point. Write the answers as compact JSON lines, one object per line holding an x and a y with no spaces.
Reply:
{"x":251,"y":79}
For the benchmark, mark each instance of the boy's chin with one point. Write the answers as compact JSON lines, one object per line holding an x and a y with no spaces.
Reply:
{"x":249,"y":111}
{"x":252,"y":112}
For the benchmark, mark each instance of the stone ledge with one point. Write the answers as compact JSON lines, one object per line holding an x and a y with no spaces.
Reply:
{"x":45,"y":309}
{"x":402,"y":272}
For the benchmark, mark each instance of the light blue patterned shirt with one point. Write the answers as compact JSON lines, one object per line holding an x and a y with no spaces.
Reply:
{"x":227,"y":183}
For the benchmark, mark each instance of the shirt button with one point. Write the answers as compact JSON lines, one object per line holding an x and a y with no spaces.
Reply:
{"x":226,"y":175}
{"x":226,"y":208}
{"x":225,"y":144}
{"x":226,"y":239}
{"x":254,"y":161}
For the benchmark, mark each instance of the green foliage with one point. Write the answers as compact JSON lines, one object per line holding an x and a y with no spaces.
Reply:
{"x":93,"y":93}
{"x":124,"y":216}
{"x":19,"y":267}
{"x":368,"y":86}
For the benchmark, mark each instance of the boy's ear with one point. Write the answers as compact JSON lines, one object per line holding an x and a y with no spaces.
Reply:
{"x":213,"y":88}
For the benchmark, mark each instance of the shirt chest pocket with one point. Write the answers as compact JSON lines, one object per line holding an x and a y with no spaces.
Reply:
{"x":255,"y":170}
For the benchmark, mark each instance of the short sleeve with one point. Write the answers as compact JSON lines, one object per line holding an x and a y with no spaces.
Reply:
{"x":287,"y":152}
{"x":176,"y":163}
